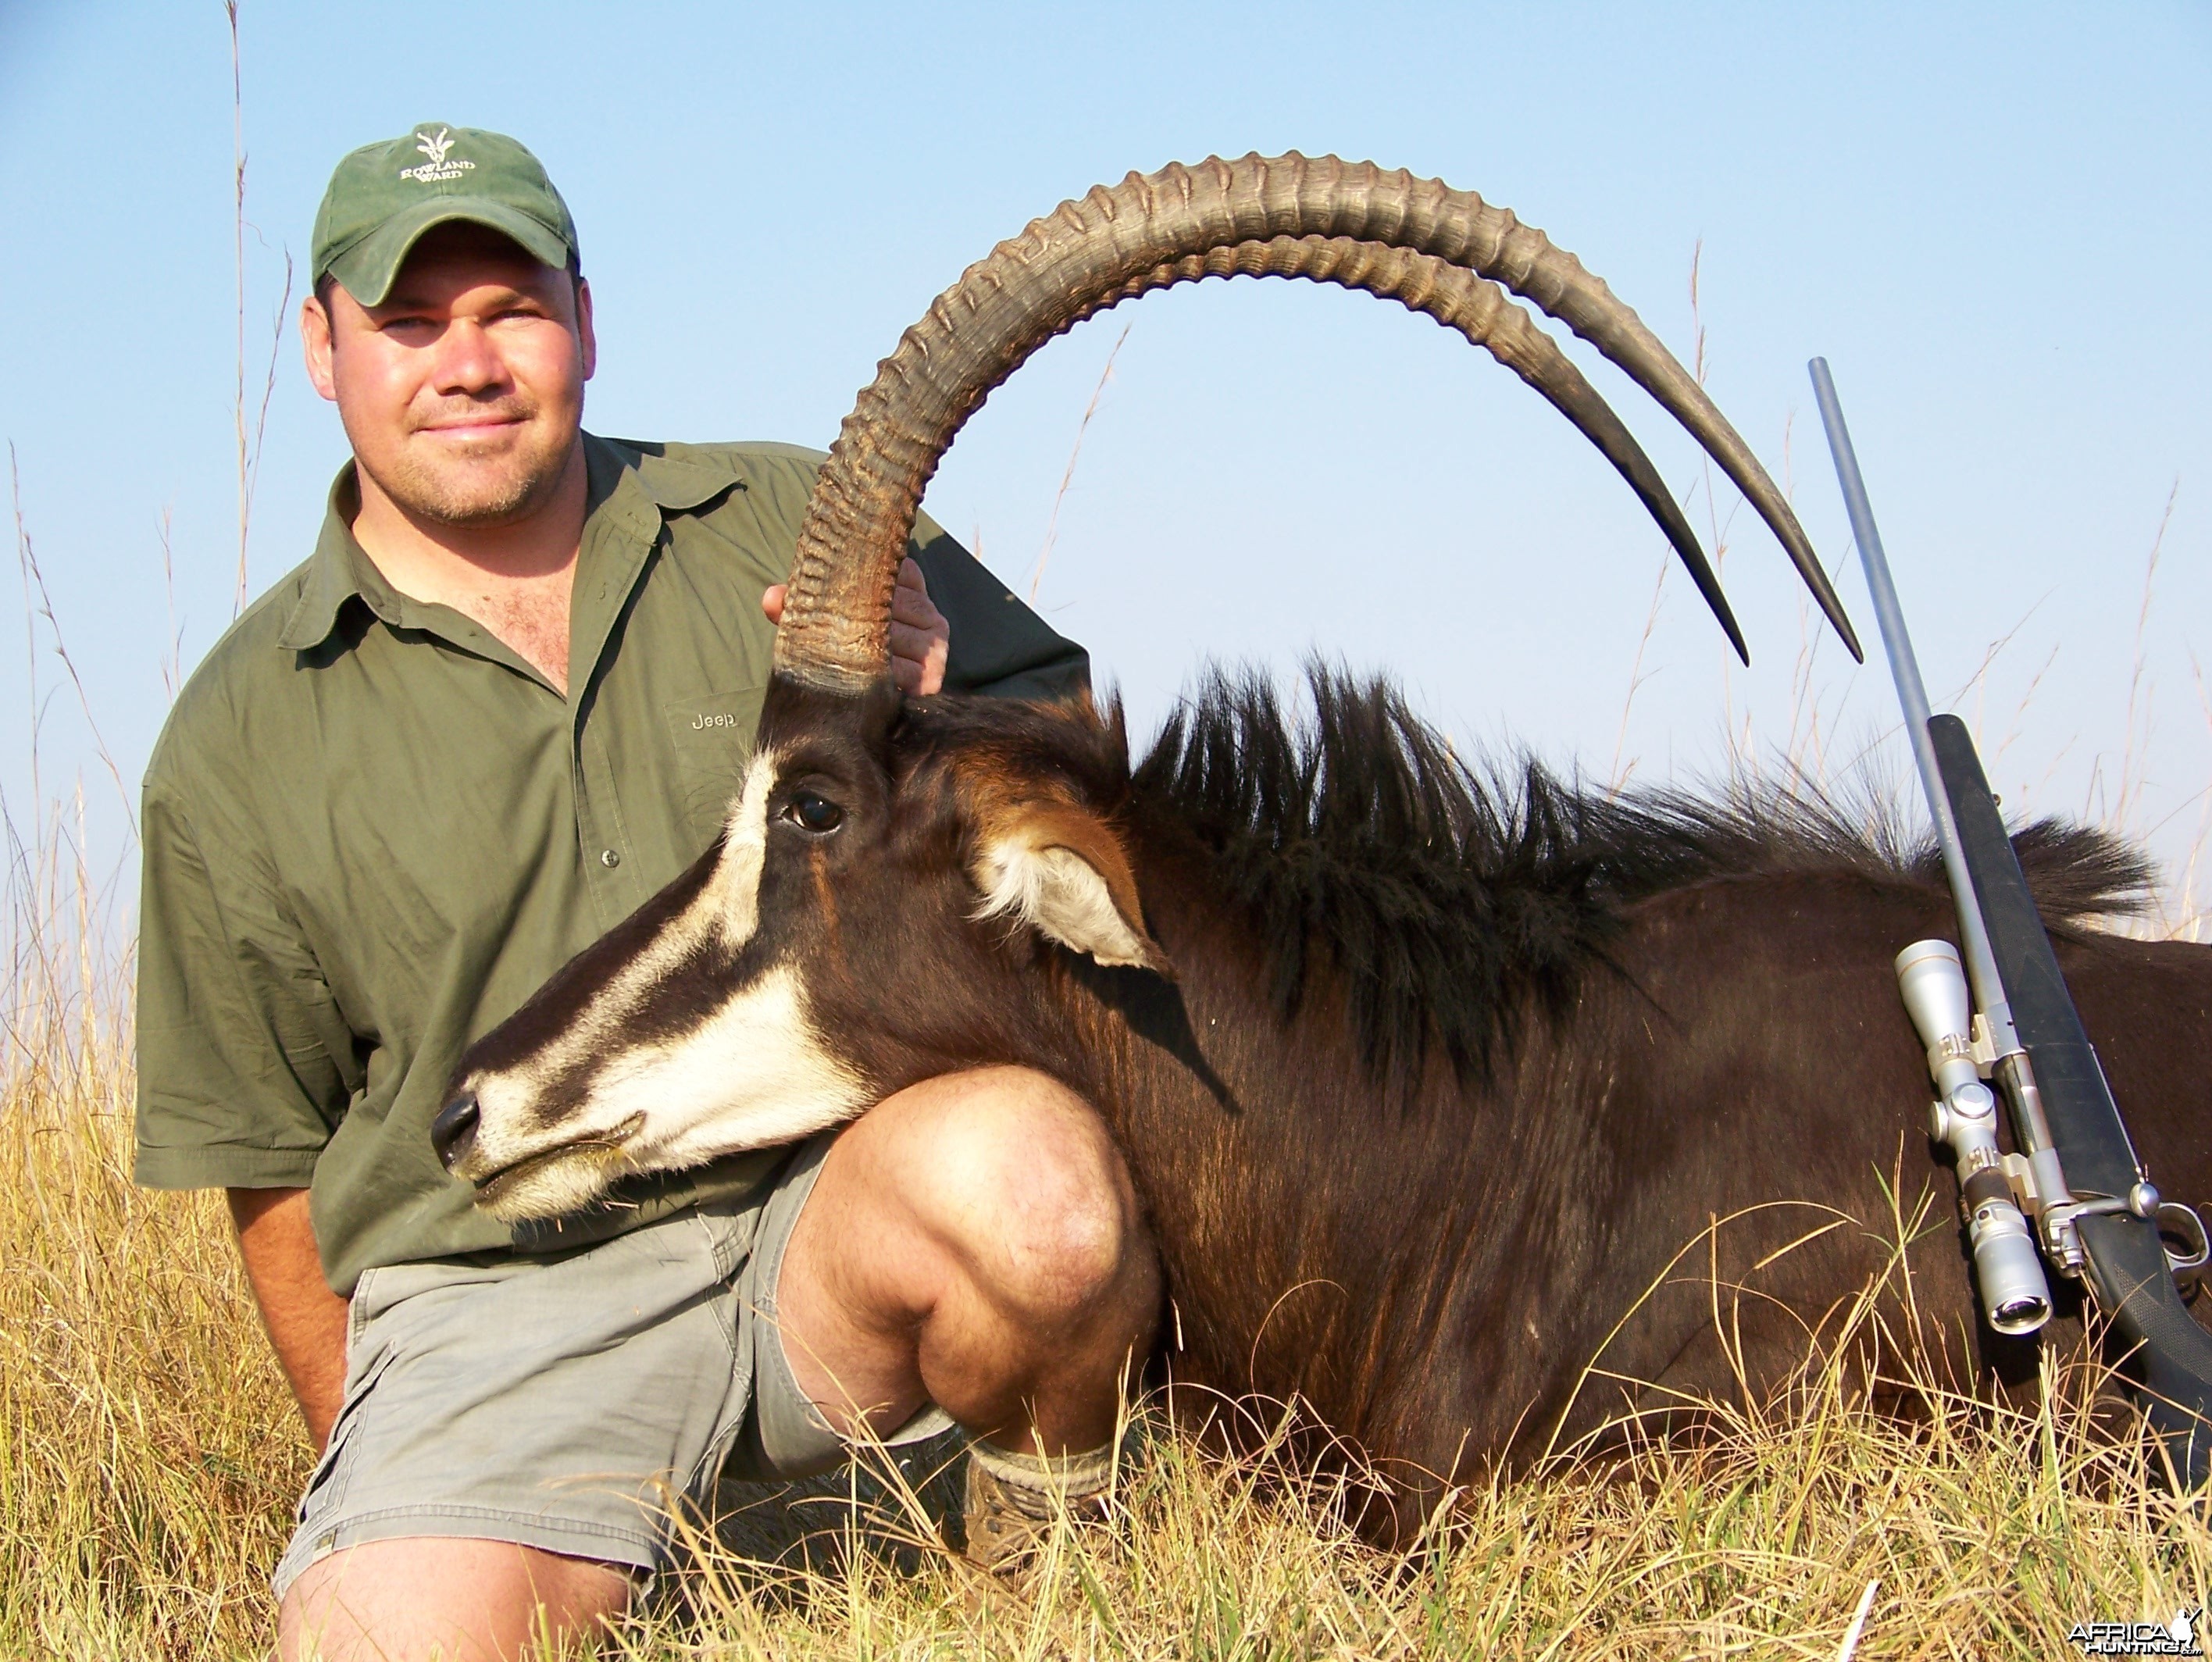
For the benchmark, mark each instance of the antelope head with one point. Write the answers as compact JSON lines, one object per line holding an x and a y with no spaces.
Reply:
{"x":890,"y":869}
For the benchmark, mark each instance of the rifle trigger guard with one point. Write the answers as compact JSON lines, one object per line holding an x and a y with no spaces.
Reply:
{"x":2177,"y":1218}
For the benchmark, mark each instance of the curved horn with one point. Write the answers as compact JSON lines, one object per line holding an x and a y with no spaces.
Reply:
{"x":1087,"y":254}
{"x":1481,"y":311}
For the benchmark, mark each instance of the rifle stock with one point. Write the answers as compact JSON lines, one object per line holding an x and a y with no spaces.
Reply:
{"x":2125,"y":1262}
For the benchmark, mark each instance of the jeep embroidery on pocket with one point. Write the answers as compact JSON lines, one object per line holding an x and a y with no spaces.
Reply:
{"x":712,"y":737}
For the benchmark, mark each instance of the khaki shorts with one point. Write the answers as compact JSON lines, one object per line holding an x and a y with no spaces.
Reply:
{"x":555,"y":1402}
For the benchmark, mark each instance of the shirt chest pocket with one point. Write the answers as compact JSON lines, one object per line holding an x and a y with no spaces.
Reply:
{"x":712,"y":737}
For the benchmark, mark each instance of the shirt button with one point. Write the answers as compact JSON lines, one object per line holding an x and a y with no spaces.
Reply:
{"x":609,"y":859}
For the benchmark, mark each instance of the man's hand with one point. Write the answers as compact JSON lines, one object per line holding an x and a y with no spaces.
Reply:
{"x":307,"y":1321}
{"x":921,"y":638}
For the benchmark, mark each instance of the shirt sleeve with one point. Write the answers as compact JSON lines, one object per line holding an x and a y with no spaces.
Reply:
{"x":998,"y":646}
{"x":237,"y":1085}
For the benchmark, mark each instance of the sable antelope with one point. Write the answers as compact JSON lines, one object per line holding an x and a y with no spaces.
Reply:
{"x":1425,"y":1073}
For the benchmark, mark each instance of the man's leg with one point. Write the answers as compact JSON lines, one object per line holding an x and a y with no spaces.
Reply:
{"x":461,"y":1600}
{"x":972,"y":1241}
{"x":541,"y":1401}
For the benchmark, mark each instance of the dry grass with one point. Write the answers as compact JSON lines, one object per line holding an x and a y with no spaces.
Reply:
{"x":1979,"y":1535}
{"x":149,"y":1456}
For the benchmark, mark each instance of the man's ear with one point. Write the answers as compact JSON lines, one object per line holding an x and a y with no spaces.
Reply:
{"x":1064,"y":873}
{"x":315,"y":346}
{"x":586,"y":338}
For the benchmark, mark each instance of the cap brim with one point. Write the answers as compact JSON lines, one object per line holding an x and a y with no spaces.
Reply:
{"x":367,"y":269}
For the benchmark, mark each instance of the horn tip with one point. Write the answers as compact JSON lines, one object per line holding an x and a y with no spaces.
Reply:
{"x":1832,"y":604}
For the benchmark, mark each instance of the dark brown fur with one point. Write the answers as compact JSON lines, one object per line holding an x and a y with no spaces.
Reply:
{"x":1453,"y":1063}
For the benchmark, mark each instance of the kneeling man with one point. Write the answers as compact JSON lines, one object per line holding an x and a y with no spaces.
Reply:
{"x":505,"y":700}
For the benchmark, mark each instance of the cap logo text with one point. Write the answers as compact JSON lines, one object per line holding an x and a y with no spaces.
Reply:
{"x":438,"y":167}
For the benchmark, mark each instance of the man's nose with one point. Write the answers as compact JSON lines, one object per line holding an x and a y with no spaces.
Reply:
{"x":453,"y":1132}
{"x":467,"y":362}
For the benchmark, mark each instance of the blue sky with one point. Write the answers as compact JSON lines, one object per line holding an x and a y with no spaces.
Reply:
{"x":1993,"y":221}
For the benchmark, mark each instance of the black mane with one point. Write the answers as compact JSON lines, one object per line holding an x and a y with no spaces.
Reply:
{"x":1449,"y":897}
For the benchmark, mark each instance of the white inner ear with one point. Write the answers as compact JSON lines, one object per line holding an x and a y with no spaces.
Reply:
{"x":1059,"y":892}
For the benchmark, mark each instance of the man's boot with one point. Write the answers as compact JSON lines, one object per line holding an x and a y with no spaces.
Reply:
{"x":1013,"y":1499}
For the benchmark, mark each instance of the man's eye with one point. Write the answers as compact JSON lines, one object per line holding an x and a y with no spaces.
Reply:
{"x":812,"y":813}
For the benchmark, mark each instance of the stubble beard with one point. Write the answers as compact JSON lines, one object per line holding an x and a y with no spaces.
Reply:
{"x":476,"y":493}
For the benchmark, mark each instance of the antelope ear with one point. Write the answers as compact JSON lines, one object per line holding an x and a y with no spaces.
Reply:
{"x":1065,"y":874}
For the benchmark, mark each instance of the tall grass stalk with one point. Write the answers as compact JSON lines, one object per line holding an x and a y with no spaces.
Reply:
{"x":249,"y":434}
{"x":1074,"y":455}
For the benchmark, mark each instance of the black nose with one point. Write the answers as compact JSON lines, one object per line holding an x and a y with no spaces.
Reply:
{"x":454,"y":1129}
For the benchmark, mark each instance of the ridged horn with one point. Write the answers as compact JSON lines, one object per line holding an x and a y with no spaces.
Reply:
{"x":1283,"y":216}
{"x":1486,"y":315}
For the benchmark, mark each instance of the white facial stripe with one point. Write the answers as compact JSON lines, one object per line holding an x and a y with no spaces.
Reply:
{"x":753,"y":1076}
{"x":745,"y":852}
{"x":728,"y":905}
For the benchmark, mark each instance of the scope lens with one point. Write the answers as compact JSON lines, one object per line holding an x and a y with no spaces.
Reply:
{"x":2020,"y":1316}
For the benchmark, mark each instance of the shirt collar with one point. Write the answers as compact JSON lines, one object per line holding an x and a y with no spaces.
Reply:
{"x":336,"y":571}
{"x":677,"y":484}
{"x":626,"y":481}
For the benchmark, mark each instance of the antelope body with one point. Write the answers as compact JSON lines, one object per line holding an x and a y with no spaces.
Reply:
{"x":1425,"y":1075}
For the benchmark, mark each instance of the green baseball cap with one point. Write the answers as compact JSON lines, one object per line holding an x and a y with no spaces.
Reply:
{"x":384,"y":197}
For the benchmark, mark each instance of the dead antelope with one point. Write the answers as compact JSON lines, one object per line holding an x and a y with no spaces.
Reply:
{"x":1424,"y":1075}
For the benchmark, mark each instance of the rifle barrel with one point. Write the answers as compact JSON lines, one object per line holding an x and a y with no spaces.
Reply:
{"x":1912,"y":694}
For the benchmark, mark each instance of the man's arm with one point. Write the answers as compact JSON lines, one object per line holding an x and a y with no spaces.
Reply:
{"x":237,"y":1090}
{"x":307,"y":1321}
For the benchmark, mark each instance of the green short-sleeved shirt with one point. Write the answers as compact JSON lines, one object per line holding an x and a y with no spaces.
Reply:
{"x":372,"y":830}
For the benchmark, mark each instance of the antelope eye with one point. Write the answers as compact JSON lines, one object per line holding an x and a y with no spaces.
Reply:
{"x":816,"y":814}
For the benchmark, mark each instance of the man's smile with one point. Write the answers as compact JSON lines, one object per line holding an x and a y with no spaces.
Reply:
{"x":473,"y":426}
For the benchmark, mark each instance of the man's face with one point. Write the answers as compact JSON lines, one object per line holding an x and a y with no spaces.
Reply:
{"x":463,"y":391}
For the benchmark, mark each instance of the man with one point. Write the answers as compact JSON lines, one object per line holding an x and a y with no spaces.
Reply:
{"x":506,"y":700}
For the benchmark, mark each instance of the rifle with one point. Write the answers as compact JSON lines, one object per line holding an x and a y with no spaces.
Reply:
{"x":2097,"y":1216}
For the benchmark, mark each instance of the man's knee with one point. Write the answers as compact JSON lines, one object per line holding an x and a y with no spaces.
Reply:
{"x":463,"y":1597}
{"x":1018,"y":1178}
